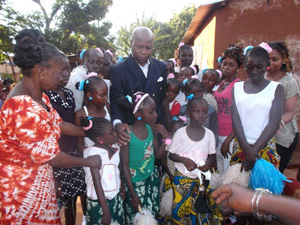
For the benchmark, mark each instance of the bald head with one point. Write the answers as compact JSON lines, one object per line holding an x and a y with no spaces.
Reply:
{"x":141,"y":44}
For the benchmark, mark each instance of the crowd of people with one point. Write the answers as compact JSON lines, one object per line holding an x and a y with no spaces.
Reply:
{"x":122,"y":135}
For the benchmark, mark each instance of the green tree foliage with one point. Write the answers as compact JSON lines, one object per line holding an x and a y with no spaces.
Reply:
{"x":167,"y":36}
{"x":70,"y":25}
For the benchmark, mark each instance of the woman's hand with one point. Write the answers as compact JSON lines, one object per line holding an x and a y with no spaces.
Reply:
{"x":162,"y":130}
{"x":106,"y":218}
{"x":189,"y":164}
{"x":94,"y":161}
{"x":233,"y":197}
{"x":135,"y":201}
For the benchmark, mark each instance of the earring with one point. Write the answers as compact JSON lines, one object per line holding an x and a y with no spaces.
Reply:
{"x":90,"y":98}
{"x":139,"y":118}
{"x":268,"y":68}
{"x":101,"y":142}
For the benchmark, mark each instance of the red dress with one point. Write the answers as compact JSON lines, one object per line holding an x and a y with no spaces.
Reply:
{"x":28,"y":140}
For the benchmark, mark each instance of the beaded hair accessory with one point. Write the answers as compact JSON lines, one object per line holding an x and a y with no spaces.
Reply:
{"x":139,"y":99}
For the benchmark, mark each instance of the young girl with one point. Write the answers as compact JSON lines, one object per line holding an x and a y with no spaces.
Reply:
{"x":210,"y":78}
{"x":95,"y":91}
{"x":141,"y":176}
{"x":92,"y":60}
{"x":172,"y":107}
{"x":185,"y":73}
{"x":104,"y":201}
{"x":190,"y":145}
{"x":232,"y":59}
{"x":257,"y":107}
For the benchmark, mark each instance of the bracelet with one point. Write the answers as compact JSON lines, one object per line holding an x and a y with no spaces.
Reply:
{"x":282,"y":123}
{"x":167,"y":141}
{"x":259,"y":192}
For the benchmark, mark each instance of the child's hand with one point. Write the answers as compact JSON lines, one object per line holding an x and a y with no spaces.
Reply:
{"x":225,"y":150}
{"x":204,"y":168}
{"x":162,"y":130}
{"x":249,"y":160}
{"x":106,"y":218}
{"x":165,"y":103}
{"x":135,"y":202}
{"x":189,"y":164}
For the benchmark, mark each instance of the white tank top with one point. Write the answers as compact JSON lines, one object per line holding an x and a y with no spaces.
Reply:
{"x":254,"y":109}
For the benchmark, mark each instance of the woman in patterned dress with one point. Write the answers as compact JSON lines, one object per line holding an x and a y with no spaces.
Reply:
{"x":70,"y":180}
{"x":29,"y":130}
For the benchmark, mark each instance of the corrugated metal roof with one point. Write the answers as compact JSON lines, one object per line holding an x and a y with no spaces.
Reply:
{"x":197,"y":24}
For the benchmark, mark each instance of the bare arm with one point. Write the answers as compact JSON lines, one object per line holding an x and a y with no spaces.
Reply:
{"x":71,"y":129}
{"x":159,"y":150}
{"x":106,"y":217}
{"x":80,"y":140}
{"x":124,"y":155}
{"x":238,"y":198}
{"x":289,"y":109}
{"x":63,"y":160}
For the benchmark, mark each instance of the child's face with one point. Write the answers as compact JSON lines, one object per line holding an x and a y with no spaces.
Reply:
{"x":170,"y":67}
{"x":65,"y":74}
{"x":197,"y":90}
{"x":148,"y":112}
{"x":109,"y":136}
{"x":229,"y":67}
{"x":209,"y":81}
{"x":198,"y":113}
{"x":172,"y":92}
{"x":99,"y":95}
{"x":255,"y":68}
{"x":185,"y":73}
{"x":186,"y":57}
{"x":93,"y":61}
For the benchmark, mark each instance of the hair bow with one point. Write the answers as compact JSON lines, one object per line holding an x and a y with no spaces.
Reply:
{"x":194,"y":77}
{"x":194,"y":68}
{"x":180,"y":44}
{"x":174,"y":61}
{"x":266,"y":47}
{"x":110,"y":53}
{"x":99,"y":50}
{"x":219,"y":60}
{"x":81,"y":54}
{"x":91,"y":74}
{"x":247,"y":49}
{"x":220,"y":73}
{"x":129,"y":98}
{"x":171,"y":75}
{"x":183,"y":118}
{"x":203,"y":71}
{"x":190,"y":97}
{"x":185,"y":81}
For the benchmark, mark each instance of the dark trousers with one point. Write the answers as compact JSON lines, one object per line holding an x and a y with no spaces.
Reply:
{"x":286,"y":153}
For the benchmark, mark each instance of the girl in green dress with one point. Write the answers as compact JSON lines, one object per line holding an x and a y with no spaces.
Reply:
{"x":137,"y":158}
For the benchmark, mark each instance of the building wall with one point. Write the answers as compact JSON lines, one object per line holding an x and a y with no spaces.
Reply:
{"x":254,"y":21}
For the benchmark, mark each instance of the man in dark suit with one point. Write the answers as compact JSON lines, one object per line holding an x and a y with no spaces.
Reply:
{"x":139,"y":72}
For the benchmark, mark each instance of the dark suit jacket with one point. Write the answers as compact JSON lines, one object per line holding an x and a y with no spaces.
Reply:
{"x":128,"y":78}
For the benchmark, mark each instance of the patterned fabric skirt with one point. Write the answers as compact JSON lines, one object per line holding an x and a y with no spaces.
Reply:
{"x":94,"y":211}
{"x":268,"y":153}
{"x":71,"y":181}
{"x":185,"y":210}
{"x":148,"y":192}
